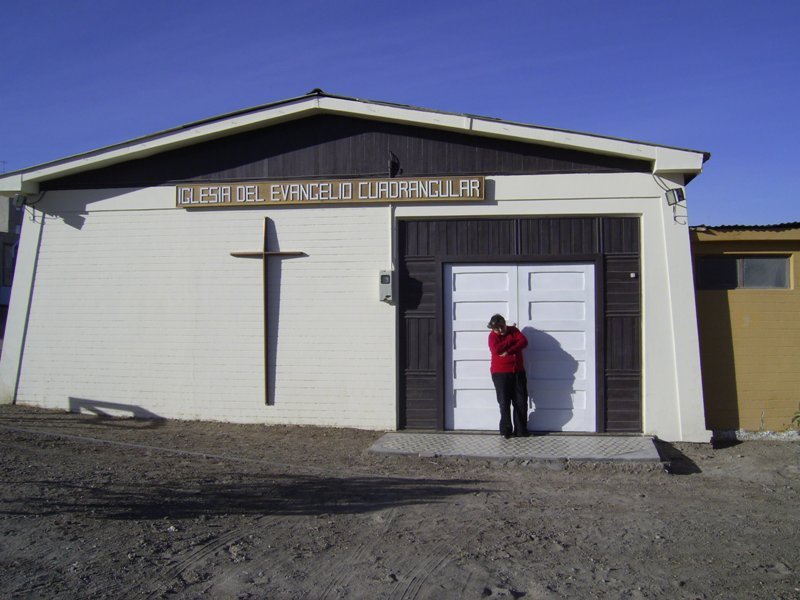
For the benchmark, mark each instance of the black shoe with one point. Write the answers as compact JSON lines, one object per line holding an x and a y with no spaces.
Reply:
{"x":507,"y":435}
{"x":523,"y":434}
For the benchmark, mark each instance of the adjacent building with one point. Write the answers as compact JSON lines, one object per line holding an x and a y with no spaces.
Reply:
{"x":748,"y":308}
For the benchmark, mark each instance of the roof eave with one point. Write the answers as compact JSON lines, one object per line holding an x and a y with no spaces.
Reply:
{"x":663,"y":159}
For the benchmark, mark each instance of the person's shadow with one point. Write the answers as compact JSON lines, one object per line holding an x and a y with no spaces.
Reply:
{"x":551,"y":381}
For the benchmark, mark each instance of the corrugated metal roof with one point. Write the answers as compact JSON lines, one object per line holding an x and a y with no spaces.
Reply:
{"x":773,"y":227}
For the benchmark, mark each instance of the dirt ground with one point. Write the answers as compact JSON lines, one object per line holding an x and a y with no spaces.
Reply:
{"x":107,"y":508}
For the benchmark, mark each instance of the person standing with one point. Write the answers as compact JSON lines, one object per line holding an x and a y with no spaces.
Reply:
{"x":506,"y":343}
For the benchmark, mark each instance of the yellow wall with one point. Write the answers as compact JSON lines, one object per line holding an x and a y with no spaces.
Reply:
{"x":750,"y":339}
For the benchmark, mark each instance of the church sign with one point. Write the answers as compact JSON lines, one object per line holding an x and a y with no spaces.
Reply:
{"x":335,"y":191}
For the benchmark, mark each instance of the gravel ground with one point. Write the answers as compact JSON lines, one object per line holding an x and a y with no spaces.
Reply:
{"x":115,"y":508}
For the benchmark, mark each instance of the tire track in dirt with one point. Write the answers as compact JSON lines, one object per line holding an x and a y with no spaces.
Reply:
{"x":429,"y":571}
{"x":174,"y":571}
{"x":198,"y":555}
{"x":421,"y":572}
{"x":343,"y":576}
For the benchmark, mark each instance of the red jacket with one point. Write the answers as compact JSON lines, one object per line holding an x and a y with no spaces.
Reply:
{"x":511,"y":344}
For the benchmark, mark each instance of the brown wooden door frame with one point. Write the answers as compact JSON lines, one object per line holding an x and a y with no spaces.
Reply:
{"x":623,"y":234}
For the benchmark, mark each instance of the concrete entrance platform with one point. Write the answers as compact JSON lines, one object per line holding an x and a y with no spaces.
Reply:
{"x":535,"y":447}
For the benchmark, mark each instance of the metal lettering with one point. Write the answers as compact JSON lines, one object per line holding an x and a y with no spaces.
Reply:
{"x":185,"y":195}
{"x":332,"y":191}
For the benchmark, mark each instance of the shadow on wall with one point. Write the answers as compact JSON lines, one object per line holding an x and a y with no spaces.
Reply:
{"x":114,"y":413}
{"x":272,"y":300}
{"x":72,"y":212}
{"x":72,"y":209}
{"x":552,"y":397}
{"x":720,"y":395}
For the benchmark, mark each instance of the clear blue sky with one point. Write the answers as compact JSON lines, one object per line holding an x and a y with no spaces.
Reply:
{"x":713,"y":75}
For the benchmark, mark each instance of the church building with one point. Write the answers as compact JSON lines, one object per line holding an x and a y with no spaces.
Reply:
{"x":332,"y":261}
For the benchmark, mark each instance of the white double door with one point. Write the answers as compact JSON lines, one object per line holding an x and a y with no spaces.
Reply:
{"x":554,"y":307}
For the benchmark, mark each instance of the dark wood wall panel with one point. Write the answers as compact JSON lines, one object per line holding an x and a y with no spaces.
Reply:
{"x":620,"y":235}
{"x":623,"y":338}
{"x":417,"y":285}
{"x":622,"y":292}
{"x":420,"y":348}
{"x":559,"y":237}
{"x":414,"y":239}
{"x":474,"y":238}
{"x":612,"y":242}
{"x":333,"y":146}
{"x":624,"y":401}
{"x":416,"y":409}
{"x":623,"y":323}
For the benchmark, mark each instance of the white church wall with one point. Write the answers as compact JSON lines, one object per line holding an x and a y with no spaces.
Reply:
{"x":140,"y":305}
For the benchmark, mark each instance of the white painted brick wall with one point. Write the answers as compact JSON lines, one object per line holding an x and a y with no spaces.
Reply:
{"x":143,"y":305}
{"x":146,"y":308}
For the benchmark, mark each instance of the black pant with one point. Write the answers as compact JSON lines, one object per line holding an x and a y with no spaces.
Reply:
{"x":512,"y":390}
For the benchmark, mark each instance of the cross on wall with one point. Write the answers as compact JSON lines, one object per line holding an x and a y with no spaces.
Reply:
{"x":264,"y":254}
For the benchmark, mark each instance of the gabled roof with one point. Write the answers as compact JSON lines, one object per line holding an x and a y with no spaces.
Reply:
{"x":664,"y":159}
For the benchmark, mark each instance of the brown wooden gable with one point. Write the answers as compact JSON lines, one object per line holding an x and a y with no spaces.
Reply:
{"x":332,"y":146}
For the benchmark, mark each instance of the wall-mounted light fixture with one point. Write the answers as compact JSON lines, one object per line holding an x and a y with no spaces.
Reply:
{"x":19,"y":200}
{"x":675,"y":196}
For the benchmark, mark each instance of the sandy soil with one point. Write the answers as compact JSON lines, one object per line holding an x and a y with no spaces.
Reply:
{"x":104,"y":508}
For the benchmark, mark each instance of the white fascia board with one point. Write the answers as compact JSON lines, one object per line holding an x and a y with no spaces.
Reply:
{"x":16,"y":184}
{"x":172,"y":140}
{"x":565,"y":139}
{"x":398,"y":114}
{"x":671,"y":160}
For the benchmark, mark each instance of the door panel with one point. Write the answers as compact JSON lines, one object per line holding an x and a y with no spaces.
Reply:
{"x":553,"y":305}
{"x":557,"y":316}
{"x":472,"y":294}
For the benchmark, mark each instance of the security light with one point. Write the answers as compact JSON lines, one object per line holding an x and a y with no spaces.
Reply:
{"x":675,"y":196}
